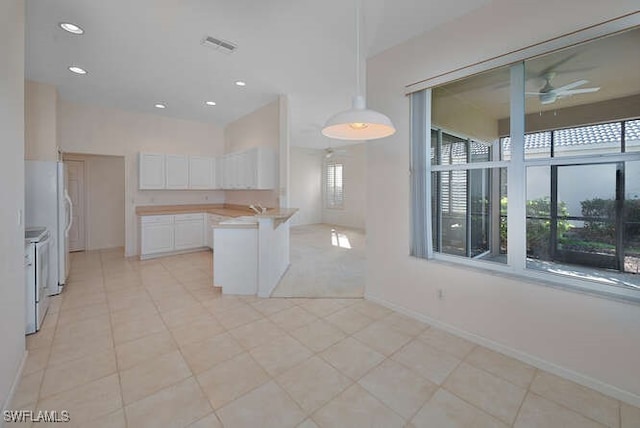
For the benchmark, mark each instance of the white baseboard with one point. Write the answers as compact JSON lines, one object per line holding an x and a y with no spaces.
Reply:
{"x":14,"y":387}
{"x":589,"y":382}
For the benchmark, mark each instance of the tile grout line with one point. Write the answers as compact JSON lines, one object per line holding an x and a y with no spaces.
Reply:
{"x":122,"y":407}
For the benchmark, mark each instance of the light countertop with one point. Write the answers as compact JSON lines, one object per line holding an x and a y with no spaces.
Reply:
{"x":279,"y":215}
{"x":219,"y":209}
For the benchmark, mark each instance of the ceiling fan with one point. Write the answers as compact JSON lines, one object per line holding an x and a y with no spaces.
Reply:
{"x":331,"y":152}
{"x":548,"y":94}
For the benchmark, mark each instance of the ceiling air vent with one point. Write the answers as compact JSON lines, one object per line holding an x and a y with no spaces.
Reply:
{"x":219,"y":44}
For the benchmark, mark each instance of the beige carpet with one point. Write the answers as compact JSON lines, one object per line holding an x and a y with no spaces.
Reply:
{"x":326,"y":261}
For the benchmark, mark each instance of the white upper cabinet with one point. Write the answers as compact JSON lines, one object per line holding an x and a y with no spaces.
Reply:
{"x":151,"y":168}
{"x":218,"y":172}
{"x":232,"y":171}
{"x":250,"y":169}
{"x":263,"y":168}
{"x":202,"y":173}
{"x":177,"y":172}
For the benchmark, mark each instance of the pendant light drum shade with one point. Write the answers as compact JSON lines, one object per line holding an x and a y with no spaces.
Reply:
{"x":358,"y":123}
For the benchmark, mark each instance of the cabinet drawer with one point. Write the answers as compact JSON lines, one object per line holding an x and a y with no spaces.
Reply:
{"x":189,"y":217}
{"x":157,"y":219}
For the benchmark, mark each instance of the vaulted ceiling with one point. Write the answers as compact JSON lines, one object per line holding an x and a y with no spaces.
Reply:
{"x":139,"y":53}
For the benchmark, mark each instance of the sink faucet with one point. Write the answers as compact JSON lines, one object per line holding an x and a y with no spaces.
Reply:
{"x":258,"y":209}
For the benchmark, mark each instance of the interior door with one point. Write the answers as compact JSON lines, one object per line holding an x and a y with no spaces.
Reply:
{"x":75,"y":188}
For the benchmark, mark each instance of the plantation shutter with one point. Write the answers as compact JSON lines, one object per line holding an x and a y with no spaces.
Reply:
{"x":334,"y":185}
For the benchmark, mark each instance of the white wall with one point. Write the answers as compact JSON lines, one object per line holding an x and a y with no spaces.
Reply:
{"x":12,"y":310}
{"x":86,"y":129}
{"x":354,"y":160}
{"x":104,"y":189}
{"x":41,"y":101}
{"x":597,"y":338}
{"x":306,"y":185}
{"x":260,"y":128}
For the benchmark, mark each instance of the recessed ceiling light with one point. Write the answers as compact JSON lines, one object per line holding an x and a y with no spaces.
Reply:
{"x":241,"y":83}
{"x":210,"y":103}
{"x":71,"y":28}
{"x":160,"y":106}
{"x":77,"y":70}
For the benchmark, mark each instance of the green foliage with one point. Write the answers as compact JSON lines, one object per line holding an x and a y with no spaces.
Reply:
{"x":539,"y":227}
{"x":601,"y":223}
{"x":539,"y":230}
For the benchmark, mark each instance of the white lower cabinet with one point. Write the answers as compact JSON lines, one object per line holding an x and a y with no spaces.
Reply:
{"x":171,"y":233}
{"x":189,"y":231}
{"x":157,"y":234}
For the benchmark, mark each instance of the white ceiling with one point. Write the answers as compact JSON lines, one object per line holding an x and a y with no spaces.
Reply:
{"x":142,"y":52}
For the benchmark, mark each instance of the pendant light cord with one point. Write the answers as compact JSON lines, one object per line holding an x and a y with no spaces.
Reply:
{"x":358,"y":89}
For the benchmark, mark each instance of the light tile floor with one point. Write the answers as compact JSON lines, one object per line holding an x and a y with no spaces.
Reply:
{"x":152,"y":344}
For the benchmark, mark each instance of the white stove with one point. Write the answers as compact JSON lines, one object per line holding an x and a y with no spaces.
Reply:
{"x":36,"y":261}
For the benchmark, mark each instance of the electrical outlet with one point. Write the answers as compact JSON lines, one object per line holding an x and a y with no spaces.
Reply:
{"x":440,"y":294}
{"x":206,"y":198}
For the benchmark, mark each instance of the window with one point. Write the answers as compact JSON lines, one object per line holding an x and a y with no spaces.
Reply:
{"x":334,"y":193}
{"x":583,"y":211}
{"x":535,"y":167}
{"x":465,"y":198}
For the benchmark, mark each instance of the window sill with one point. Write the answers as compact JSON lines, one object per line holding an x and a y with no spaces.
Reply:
{"x":557,"y":276}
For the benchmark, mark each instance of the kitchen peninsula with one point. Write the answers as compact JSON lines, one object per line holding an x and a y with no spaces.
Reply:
{"x":251,"y":253}
{"x":175,"y":229}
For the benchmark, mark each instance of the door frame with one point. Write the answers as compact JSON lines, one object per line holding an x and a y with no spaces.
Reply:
{"x":71,"y":158}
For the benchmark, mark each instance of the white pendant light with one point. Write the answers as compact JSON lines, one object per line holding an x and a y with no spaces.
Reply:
{"x":358,"y":123}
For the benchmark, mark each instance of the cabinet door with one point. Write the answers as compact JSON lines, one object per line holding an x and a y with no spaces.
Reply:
{"x":157,"y":238}
{"x":266,"y":168}
{"x":216,"y":173}
{"x":250,"y":169}
{"x":200,"y":173}
{"x":177,"y":172}
{"x":231,"y":171}
{"x":189,"y":234}
{"x":151,"y":171}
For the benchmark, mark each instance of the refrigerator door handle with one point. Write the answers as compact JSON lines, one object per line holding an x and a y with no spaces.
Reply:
{"x":69,"y":213}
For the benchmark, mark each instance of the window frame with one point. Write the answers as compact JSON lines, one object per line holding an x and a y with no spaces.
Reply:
{"x":517,"y":165}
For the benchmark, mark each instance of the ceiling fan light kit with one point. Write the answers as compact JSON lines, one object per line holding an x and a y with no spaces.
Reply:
{"x":358,"y":123}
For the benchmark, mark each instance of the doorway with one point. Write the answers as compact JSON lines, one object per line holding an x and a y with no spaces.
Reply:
{"x":590,"y":218}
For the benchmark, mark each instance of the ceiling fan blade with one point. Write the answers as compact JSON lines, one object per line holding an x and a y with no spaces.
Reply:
{"x":554,"y":66}
{"x":580,"y":91}
{"x":571,"y":85}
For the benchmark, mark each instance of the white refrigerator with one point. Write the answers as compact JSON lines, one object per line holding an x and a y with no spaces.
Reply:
{"x":47,"y":204}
